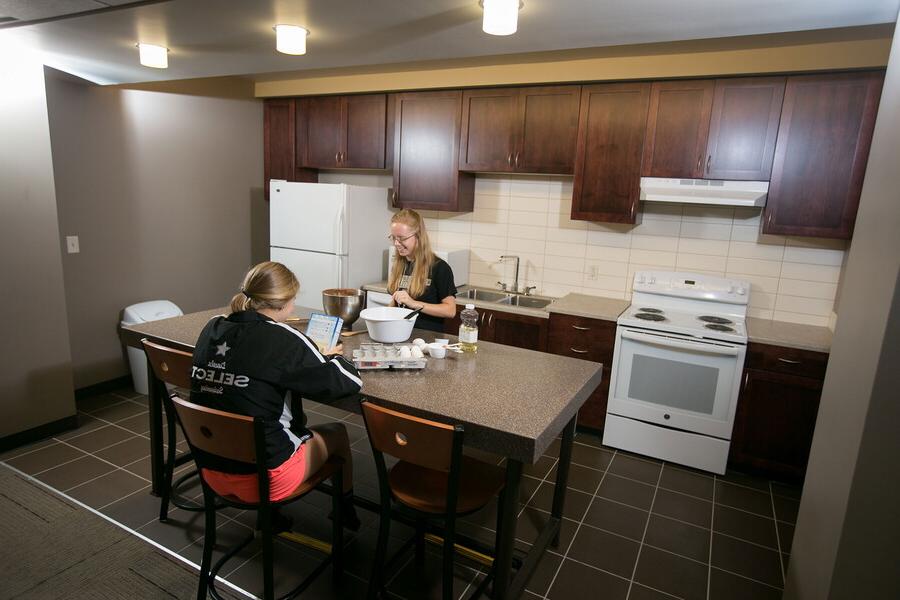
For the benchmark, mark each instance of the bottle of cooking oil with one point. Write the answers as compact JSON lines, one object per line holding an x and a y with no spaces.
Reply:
{"x":468,"y":329}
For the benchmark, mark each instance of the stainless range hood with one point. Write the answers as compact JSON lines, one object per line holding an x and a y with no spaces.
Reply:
{"x":705,"y":191}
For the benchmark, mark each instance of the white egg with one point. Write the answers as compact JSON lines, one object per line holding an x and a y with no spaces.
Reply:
{"x":417,"y":352}
{"x":405,"y":352}
{"x":419,"y":343}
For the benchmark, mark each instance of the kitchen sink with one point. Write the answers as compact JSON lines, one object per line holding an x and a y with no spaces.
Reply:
{"x":498,"y":297}
{"x":483,"y":295}
{"x":525,"y":301}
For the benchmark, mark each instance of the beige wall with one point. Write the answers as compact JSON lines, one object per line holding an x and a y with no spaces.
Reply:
{"x":846,"y":48}
{"x":845,"y":545}
{"x":165,"y":194}
{"x":36,"y":372}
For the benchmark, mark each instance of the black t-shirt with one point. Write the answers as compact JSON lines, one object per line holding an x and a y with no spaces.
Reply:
{"x":438,"y":286}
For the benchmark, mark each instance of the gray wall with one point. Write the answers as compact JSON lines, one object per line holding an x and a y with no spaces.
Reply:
{"x":165,"y":194}
{"x":35,"y":364}
{"x":848,"y":527}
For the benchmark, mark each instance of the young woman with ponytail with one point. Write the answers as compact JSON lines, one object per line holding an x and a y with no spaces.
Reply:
{"x":260,"y":366}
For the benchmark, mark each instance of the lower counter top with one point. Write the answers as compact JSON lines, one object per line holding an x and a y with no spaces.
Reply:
{"x":790,"y":335}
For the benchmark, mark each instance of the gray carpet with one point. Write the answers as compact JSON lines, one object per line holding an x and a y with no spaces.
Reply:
{"x":51,"y":547}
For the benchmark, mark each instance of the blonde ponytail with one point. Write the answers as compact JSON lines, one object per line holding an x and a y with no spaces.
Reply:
{"x":267,"y":285}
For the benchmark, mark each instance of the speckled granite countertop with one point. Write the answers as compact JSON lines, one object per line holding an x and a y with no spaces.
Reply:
{"x":593,"y":307}
{"x":791,"y":335}
{"x":513,"y":402}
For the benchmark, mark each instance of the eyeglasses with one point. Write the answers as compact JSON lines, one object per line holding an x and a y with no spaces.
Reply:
{"x":394,"y":239}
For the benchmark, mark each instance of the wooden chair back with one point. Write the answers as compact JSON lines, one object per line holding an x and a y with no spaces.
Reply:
{"x":412,"y":439}
{"x":217,"y":432}
{"x":170,"y":366}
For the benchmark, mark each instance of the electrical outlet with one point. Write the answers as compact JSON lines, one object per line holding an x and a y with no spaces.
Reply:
{"x":72,"y":244}
{"x":592,"y":273}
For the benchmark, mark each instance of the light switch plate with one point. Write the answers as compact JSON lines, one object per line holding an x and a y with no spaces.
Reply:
{"x":72,"y":244}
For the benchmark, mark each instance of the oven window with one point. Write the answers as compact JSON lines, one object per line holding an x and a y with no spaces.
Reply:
{"x":673,"y":383}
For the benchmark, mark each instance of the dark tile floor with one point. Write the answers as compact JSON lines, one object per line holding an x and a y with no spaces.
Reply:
{"x":634,"y":528}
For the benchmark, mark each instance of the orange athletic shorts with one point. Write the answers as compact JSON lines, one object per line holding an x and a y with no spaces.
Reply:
{"x":283,"y":480}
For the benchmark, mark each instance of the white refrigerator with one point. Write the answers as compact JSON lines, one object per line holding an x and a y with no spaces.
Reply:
{"x":329,"y":235}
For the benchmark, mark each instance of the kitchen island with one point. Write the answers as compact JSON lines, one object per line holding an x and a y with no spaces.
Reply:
{"x":512,"y":402}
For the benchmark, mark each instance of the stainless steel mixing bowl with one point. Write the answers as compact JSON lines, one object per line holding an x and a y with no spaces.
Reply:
{"x":344,"y":303}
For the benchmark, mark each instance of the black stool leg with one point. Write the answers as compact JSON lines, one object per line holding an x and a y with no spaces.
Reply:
{"x":337,"y":525}
{"x":376,"y":581}
{"x":265,"y":522}
{"x":169,"y":466}
{"x":209,"y":541}
{"x":449,"y":551}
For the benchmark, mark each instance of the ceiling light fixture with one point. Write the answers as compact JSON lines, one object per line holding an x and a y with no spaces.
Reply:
{"x":290,"y":39}
{"x":154,"y":56}
{"x":501,"y":17}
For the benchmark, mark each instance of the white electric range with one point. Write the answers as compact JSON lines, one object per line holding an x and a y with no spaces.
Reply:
{"x":677,"y":365}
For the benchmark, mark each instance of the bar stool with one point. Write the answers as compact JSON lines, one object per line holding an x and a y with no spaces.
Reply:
{"x":215,"y":433}
{"x":177,"y":374}
{"x":432,"y":480}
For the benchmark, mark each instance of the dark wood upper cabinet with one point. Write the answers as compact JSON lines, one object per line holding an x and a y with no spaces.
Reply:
{"x":821,"y":153}
{"x":279,"y":150}
{"x":489,"y":129}
{"x":677,"y":128}
{"x":364,"y":146}
{"x":525,"y":130}
{"x":713,"y":129}
{"x":743,"y":128}
{"x":278,"y":140}
{"x":324,"y":130}
{"x":342,"y":132}
{"x":426,"y":153}
{"x":611,"y":130}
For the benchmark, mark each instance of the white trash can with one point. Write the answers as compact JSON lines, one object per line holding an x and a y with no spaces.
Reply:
{"x":154,"y":310}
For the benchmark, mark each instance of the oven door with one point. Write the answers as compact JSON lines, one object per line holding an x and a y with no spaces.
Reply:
{"x":676,"y":381}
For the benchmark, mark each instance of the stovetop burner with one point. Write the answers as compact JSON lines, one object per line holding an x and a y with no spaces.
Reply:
{"x":716,"y":320}
{"x":718,"y":327}
{"x":655,"y":311}
{"x":647,"y":316}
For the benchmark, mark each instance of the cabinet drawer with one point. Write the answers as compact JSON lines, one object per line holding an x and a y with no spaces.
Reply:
{"x":791,"y":361}
{"x":581,"y":337}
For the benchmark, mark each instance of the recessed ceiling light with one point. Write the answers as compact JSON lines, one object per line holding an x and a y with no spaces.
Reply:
{"x":501,"y":17}
{"x":290,"y":39}
{"x":154,"y":56}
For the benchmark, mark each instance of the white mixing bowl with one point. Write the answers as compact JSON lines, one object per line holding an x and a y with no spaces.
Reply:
{"x":387,"y":325}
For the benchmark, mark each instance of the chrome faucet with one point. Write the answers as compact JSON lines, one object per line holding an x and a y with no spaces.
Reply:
{"x":515,"y":288}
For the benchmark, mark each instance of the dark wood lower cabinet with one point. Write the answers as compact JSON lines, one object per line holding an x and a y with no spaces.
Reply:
{"x":588,"y":339}
{"x":777,"y":410}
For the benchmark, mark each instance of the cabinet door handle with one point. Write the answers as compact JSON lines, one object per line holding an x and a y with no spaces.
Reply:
{"x":337,"y":158}
{"x":788,"y":361}
{"x":394,"y":197}
{"x":509,"y":159}
{"x":490,"y":319}
{"x":699,"y":162}
{"x":746,"y":378}
{"x":343,"y":157}
{"x":517,"y":160}
{"x":581,"y":328}
{"x":708,"y":159}
{"x":577,"y":351}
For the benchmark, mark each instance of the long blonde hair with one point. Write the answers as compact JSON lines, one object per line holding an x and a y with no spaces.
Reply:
{"x":422,"y":256}
{"x":267,"y":285}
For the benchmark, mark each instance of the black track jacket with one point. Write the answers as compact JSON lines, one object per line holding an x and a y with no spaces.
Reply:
{"x":247,"y":363}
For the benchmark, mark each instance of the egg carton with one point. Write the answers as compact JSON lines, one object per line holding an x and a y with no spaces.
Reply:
{"x":384,"y":356}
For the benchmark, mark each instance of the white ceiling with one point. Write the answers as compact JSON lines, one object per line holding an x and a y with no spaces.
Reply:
{"x":210,"y":38}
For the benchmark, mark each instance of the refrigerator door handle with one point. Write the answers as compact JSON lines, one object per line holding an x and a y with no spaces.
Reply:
{"x":339,"y":233}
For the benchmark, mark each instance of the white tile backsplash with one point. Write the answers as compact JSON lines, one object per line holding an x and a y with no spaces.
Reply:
{"x":792,"y":279}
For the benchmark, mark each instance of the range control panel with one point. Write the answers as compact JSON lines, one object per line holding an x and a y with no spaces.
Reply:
{"x":692,"y":285}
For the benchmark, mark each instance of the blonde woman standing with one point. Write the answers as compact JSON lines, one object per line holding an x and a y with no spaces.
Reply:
{"x":252,"y":363}
{"x":418,"y":278}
